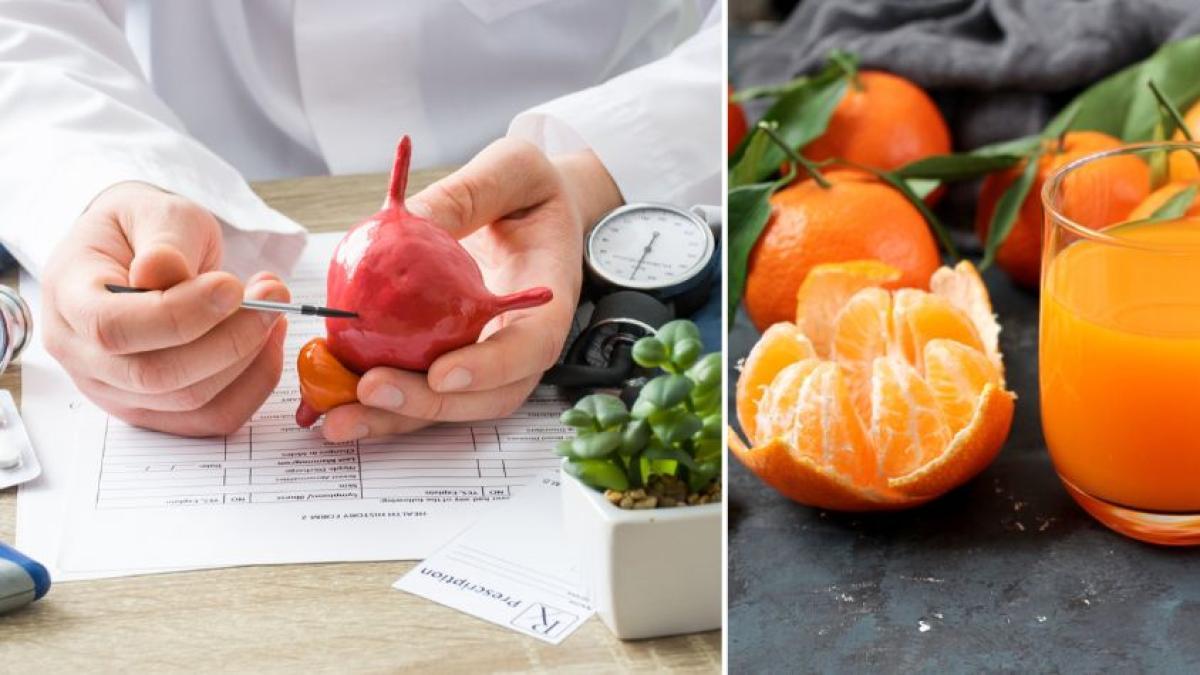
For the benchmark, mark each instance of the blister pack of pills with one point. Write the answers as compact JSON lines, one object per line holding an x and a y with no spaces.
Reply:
{"x":18,"y":463}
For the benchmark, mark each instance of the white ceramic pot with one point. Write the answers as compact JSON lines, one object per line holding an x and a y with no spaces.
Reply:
{"x":650,"y":572}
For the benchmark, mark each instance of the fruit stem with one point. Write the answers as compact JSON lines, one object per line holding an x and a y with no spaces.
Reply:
{"x":809,"y":167}
{"x":399,"y":180}
{"x":530,"y":297}
{"x":848,"y":66}
{"x":1061,"y":146}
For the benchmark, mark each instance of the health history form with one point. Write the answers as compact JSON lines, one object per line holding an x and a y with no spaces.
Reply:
{"x":142,"y":501}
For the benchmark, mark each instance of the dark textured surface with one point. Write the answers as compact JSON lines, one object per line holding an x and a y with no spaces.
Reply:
{"x":1003,"y":574}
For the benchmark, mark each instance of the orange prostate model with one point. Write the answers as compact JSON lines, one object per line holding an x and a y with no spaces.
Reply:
{"x":324,"y":382}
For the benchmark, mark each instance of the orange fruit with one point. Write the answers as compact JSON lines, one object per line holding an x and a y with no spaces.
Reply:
{"x":909,"y":402}
{"x":1159,"y":197}
{"x":857,"y":217}
{"x":736,"y":123}
{"x":1183,"y":164}
{"x":1099,"y":195}
{"x":884,"y":121}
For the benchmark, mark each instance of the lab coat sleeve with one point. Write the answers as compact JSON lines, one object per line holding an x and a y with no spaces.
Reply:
{"x":78,"y":117}
{"x":656,"y":128}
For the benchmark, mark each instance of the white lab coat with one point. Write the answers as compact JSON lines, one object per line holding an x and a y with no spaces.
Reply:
{"x":199,"y":97}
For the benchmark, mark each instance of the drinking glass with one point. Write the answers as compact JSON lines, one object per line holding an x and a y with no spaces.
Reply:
{"x":1119,"y":338}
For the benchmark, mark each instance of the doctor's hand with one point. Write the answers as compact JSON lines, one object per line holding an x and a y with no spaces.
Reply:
{"x":522,"y":216}
{"x":182,"y":358}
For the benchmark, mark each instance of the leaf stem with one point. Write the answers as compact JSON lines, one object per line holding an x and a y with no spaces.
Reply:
{"x":1171,"y":110}
{"x":809,"y":167}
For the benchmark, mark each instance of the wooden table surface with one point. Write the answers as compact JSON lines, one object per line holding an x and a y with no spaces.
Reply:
{"x":320,"y":617}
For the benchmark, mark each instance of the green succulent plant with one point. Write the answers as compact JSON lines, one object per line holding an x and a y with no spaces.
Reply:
{"x":674,"y":427}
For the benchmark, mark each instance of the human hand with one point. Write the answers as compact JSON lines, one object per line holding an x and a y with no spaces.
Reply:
{"x":182,"y":358}
{"x":522,"y":217}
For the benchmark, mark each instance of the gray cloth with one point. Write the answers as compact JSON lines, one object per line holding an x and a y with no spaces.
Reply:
{"x":999,"y":68}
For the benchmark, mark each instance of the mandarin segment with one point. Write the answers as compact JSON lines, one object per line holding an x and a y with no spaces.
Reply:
{"x":957,"y":375}
{"x":780,"y":346}
{"x":829,"y":429}
{"x":963,"y":288}
{"x":907,"y":425}
{"x":778,"y":407}
{"x":971,"y":451}
{"x":919,"y":317}
{"x":828,"y":288}
{"x":862,"y":334}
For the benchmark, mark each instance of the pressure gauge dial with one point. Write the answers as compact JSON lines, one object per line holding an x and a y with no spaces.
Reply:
{"x":654,"y":248}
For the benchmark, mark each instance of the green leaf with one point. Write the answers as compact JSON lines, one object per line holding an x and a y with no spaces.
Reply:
{"x":1123,"y":105}
{"x":597,"y":473}
{"x":707,"y":371}
{"x":1176,"y":206}
{"x":674,"y":426}
{"x":749,"y":209}
{"x":925,"y":175}
{"x":673,"y":332}
{"x":957,"y":167}
{"x":597,"y":445}
{"x":769,"y":90}
{"x":666,"y":391}
{"x":574,"y":417}
{"x":802,"y":114}
{"x":608,"y":410}
{"x":744,"y":170}
{"x":703,"y":474}
{"x":643,"y":409}
{"x":685,"y":353}
{"x":708,"y":449}
{"x":649,"y":352}
{"x":1007,"y":208}
{"x":564,"y":448}
{"x":712,"y":427}
{"x":706,"y":402}
{"x":922,"y":187}
{"x":634,"y":437}
{"x":1019,"y":147}
{"x":661,"y":452}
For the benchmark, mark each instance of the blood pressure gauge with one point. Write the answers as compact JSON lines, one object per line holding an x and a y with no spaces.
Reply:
{"x":646,"y":264}
{"x":653,"y":248}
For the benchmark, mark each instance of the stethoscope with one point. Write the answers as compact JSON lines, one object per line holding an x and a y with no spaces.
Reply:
{"x":16,"y":327}
{"x":645,"y":264}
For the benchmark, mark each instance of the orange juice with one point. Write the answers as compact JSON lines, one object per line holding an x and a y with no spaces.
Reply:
{"x":1120,"y":366}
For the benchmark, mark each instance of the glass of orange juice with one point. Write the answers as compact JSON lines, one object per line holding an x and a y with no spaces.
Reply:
{"x":1119,"y":343}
